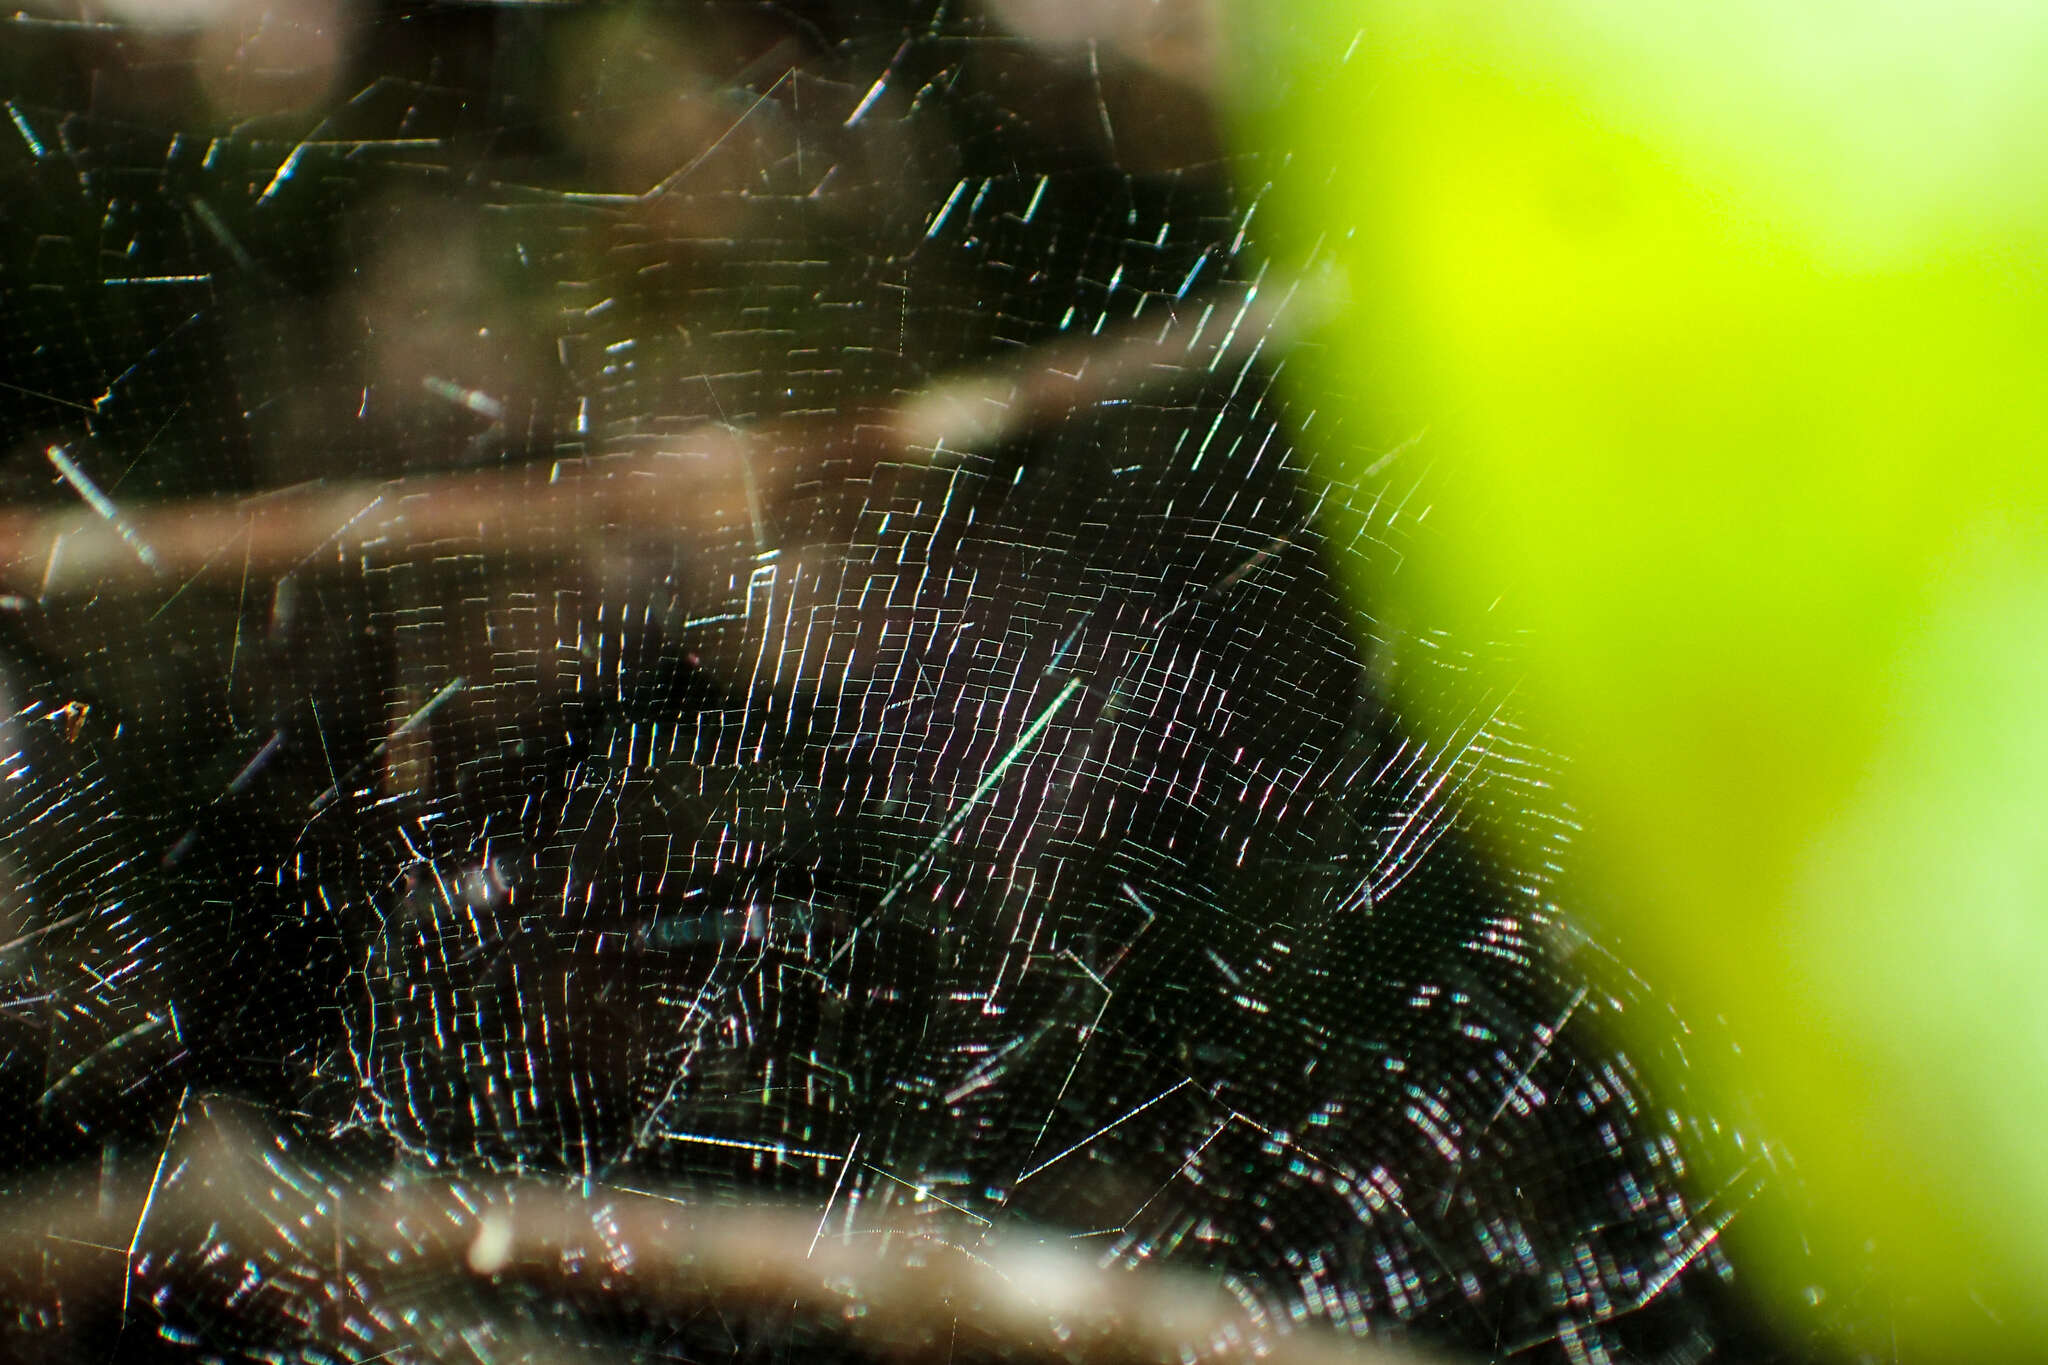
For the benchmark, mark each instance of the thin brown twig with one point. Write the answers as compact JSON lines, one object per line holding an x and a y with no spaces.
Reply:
{"x":899,"y":1293}
{"x":690,"y":487}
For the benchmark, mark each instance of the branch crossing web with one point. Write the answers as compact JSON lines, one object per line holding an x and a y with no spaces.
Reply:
{"x":654,"y":650}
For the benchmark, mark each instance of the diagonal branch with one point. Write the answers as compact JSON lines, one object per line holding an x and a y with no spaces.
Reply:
{"x":691,"y":487}
{"x":428,"y":1256}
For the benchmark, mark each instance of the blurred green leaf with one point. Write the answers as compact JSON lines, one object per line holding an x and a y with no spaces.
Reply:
{"x":1725,"y":331}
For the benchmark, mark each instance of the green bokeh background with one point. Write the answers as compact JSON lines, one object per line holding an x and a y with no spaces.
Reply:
{"x":1723,"y":332}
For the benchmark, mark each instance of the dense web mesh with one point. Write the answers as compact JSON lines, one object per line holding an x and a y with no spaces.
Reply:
{"x":717,"y":601}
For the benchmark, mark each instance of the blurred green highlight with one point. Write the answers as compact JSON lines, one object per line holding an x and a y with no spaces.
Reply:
{"x":1724,"y":333}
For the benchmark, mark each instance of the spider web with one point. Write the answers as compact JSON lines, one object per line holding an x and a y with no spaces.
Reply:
{"x":718,"y":599}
